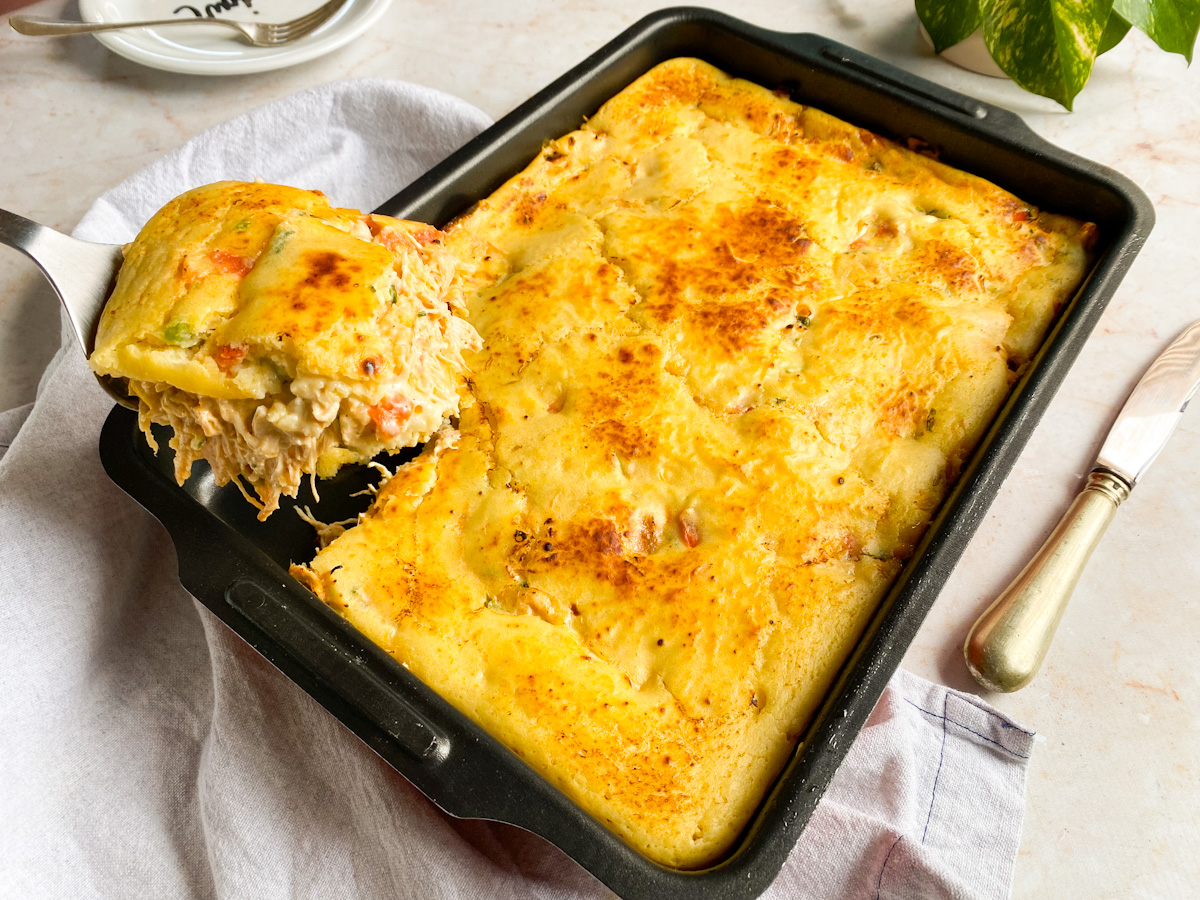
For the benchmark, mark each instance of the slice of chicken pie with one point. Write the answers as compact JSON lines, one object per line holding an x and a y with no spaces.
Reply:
{"x":281,"y":337}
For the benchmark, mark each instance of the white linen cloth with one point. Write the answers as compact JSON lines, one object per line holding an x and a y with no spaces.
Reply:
{"x":147,"y":752}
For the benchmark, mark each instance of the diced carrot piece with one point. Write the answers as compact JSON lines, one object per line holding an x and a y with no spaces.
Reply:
{"x":228,"y":357}
{"x":390,"y":415}
{"x":394,"y":240}
{"x":229,"y":263}
{"x":688,"y":528}
{"x":427,"y":236}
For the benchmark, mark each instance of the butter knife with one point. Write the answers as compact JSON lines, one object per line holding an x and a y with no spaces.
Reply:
{"x":1006,"y":646}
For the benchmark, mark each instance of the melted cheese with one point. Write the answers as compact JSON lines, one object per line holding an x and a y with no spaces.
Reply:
{"x":314,"y":294}
{"x":735,"y":352}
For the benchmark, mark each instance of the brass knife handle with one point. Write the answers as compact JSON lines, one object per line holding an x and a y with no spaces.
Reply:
{"x":1006,"y":646}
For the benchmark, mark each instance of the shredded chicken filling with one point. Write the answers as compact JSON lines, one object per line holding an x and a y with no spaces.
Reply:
{"x":269,"y":446}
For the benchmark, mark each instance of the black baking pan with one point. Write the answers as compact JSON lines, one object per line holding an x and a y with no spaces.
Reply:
{"x":237,"y":566}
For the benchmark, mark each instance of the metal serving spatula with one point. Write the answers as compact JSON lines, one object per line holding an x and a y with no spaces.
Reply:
{"x":82,"y":274}
{"x":1005,"y":648}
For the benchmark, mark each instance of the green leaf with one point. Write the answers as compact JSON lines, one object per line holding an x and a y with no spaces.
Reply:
{"x":1046,"y":46}
{"x":949,"y":21}
{"x":1172,"y":24}
{"x":1114,"y":32}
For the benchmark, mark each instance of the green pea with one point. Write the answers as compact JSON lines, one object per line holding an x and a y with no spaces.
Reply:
{"x":179,"y":333}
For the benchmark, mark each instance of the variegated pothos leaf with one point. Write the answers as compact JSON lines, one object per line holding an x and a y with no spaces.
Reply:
{"x":948,"y":21}
{"x":1114,"y":32}
{"x":1046,"y":46}
{"x":1172,"y":24}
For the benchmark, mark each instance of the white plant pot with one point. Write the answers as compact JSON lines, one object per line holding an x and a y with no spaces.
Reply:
{"x":971,"y":53}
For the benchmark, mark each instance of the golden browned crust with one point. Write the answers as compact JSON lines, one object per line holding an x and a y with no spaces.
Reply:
{"x":735,"y":353}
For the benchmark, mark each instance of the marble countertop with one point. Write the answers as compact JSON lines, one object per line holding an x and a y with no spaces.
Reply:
{"x":1114,"y":788}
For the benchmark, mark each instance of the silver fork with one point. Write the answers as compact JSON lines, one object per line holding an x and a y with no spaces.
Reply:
{"x":260,"y":34}
{"x":82,"y":274}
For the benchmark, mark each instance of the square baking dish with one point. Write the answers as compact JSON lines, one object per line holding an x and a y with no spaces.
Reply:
{"x":237,"y":566}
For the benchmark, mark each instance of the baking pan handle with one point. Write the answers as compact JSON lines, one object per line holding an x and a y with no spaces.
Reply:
{"x":884,"y":77}
{"x":289,"y":624}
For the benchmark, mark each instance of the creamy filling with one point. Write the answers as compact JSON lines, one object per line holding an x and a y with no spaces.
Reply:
{"x":271,"y":445}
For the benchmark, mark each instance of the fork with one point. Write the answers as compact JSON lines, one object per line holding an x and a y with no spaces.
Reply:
{"x":260,"y":34}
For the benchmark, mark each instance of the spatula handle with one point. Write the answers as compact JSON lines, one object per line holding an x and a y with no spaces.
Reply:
{"x":1008,"y":643}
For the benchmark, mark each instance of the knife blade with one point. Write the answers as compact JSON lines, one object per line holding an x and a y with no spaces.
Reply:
{"x":1153,"y":409}
{"x":1007,"y":644}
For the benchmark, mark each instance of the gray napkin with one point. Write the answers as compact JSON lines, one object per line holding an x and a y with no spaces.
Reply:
{"x":147,"y":752}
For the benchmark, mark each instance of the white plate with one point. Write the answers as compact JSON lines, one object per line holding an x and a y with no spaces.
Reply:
{"x":213,"y":50}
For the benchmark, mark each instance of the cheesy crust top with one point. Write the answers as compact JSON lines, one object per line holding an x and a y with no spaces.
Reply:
{"x":735,"y":353}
